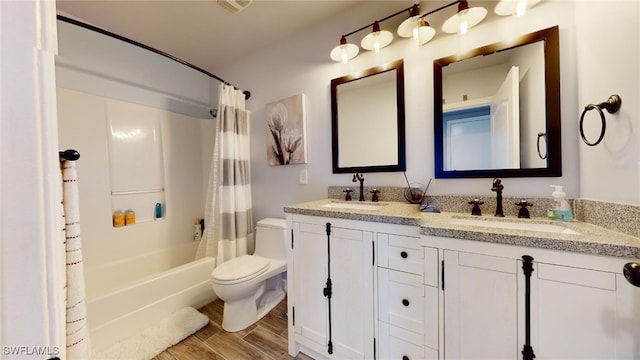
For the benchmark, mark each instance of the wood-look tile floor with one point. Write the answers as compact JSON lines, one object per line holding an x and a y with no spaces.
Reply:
{"x":266,"y":339}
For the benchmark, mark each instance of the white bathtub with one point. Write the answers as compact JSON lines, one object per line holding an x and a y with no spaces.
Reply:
{"x":128,"y":296}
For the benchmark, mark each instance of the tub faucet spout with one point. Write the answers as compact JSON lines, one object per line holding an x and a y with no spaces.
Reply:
{"x":359,"y":177}
{"x":497,"y":187}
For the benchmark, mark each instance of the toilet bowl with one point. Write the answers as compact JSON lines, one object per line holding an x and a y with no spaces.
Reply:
{"x":251,"y":285}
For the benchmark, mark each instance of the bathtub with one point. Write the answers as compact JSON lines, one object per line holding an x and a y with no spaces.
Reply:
{"x":132,"y":294}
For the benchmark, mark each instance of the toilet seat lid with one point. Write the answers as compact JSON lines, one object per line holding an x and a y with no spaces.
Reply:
{"x":240,"y":268}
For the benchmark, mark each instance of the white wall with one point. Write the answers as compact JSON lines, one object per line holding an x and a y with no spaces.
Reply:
{"x":608,"y":58}
{"x":302,"y":65}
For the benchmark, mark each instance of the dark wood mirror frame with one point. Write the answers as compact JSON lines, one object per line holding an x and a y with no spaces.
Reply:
{"x":398,"y":67}
{"x":550,"y":36}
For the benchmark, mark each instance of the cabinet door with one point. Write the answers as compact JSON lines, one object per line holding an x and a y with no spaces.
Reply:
{"x":480,"y":306}
{"x":352,"y":313}
{"x":310,"y":276}
{"x":583,"y":314}
{"x":351,"y":273}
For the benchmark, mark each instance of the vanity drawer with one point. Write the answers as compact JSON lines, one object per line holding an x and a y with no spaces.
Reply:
{"x":401,"y":300}
{"x":402,"y":253}
{"x":397,"y":343}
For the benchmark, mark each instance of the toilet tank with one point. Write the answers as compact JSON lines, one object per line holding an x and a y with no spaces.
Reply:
{"x":270,"y":238}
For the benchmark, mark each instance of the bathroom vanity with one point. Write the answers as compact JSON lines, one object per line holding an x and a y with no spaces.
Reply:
{"x":410,"y":285}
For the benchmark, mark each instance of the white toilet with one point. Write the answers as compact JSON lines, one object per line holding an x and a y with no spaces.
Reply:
{"x":251,"y":285}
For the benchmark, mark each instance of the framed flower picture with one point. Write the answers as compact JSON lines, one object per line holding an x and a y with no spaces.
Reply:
{"x":286,"y":131}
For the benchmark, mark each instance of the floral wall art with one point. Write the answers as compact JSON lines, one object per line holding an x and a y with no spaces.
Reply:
{"x":286,"y":135}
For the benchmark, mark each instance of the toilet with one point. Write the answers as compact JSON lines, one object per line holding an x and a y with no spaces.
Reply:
{"x":252,"y":285}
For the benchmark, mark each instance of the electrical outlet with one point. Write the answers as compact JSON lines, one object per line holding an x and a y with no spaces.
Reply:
{"x":304,"y":177}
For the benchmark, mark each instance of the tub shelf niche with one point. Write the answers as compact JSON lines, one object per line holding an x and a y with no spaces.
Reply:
{"x":136,"y":163}
{"x":142,"y":202}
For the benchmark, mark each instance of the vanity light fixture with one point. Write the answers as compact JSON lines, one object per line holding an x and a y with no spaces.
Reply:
{"x":415,"y":27}
{"x":345,"y":51}
{"x":464,"y":19}
{"x":425,"y":32}
{"x":377,"y":39}
{"x":514,"y":7}
{"x":410,"y":27}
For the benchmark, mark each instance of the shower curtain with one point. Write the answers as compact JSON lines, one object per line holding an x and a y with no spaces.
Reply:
{"x":228,"y":214}
{"x":76,"y":314}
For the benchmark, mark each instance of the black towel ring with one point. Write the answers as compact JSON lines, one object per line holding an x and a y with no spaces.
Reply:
{"x":541,"y":134}
{"x":612,"y":105}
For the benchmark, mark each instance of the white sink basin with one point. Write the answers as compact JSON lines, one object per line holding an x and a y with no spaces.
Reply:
{"x":352,"y":206}
{"x":550,"y":228}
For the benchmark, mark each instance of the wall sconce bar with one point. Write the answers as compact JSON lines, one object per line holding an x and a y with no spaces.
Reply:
{"x":418,"y":28}
{"x":378,"y":39}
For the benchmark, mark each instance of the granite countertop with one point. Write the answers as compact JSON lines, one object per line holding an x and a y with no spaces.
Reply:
{"x":590,"y":239}
{"x":391,"y":212}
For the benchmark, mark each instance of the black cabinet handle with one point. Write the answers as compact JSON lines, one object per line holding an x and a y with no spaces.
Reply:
{"x":631,"y":272}
{"x":404,"y":254}
{"x":405,"y":357}
{"x":405,"y":302}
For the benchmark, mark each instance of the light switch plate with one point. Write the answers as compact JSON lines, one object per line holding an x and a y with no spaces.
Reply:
{"x":303,"y":177}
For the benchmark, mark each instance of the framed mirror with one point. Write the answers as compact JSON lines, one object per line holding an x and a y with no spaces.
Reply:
{"x":497,"y":110}
{"x":368,"y":120}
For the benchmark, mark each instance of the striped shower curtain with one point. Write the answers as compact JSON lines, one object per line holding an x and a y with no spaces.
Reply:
{"x":228,"y":215}
{"x":76,"y":314}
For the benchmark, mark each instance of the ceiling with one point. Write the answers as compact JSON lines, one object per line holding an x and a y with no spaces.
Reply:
{"x":202,"y":32}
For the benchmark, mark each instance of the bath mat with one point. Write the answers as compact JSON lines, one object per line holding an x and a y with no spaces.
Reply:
{"x":155,"y":339}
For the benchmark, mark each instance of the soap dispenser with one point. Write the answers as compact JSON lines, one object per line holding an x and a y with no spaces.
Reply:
{"x":561,"y":209}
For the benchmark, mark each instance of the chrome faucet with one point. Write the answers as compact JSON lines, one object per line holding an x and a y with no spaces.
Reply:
{"x":359,"y":177}
{"x":497,"y":187}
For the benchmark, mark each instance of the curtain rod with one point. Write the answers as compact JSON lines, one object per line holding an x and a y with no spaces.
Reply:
{"x":247,"y":93}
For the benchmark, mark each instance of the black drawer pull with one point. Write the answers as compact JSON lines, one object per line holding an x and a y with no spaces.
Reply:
{"x":405,"y":302}
{"x":405,"y":357}
{"x":404,"y":254}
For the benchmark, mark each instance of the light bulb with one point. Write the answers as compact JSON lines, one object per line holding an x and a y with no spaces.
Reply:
{"x":344,"y":54}
{"x":376,"y":41}
{"x":416,"y":31}
{"x":463,"y":26}
{"x":521,"y":8}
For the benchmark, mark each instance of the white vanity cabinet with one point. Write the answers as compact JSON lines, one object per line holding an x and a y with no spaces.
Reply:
{"x":342,"y":326}
{"x":407,"y":298}
{"x":581,"y":307}
{"x":397,"y":294}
